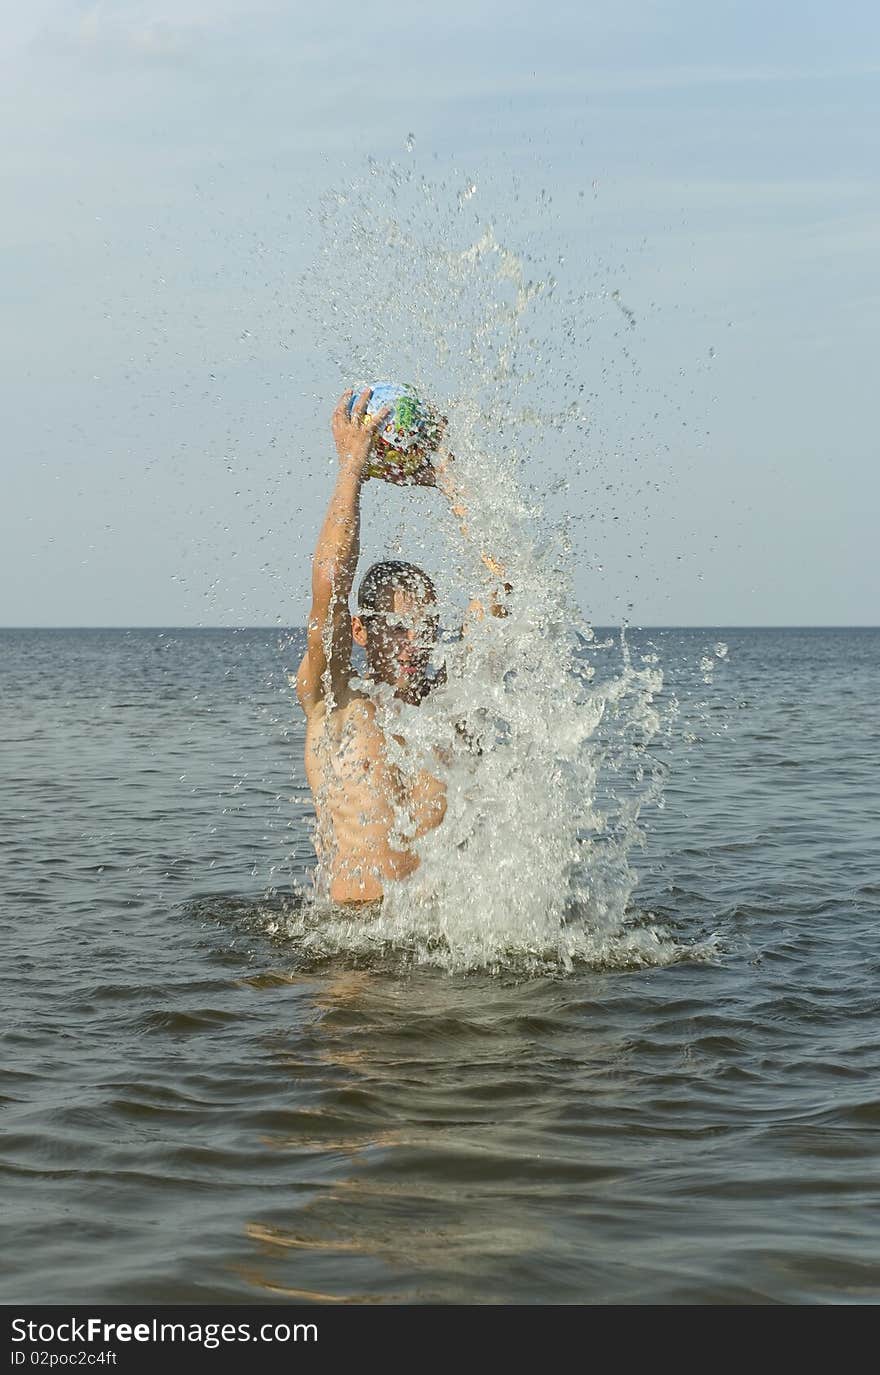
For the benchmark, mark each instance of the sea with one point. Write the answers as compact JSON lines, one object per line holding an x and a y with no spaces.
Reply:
{"x":212,"y":1092}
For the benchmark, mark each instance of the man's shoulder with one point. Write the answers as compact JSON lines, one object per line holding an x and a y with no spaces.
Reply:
{"x":356,"y":706}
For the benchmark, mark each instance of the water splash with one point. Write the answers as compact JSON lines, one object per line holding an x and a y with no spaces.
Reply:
{"x":541,"y":733}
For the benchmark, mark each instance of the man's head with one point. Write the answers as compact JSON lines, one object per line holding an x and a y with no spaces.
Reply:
{"x":396,"y":622}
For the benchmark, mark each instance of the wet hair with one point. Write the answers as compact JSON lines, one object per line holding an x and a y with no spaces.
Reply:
{"x":382,"y":580}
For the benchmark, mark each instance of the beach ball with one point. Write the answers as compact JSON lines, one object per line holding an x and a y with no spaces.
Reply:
{"x":409,"y":436}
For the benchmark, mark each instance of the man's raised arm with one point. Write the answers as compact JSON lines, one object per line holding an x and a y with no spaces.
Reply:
{"x":326,"y":668}
{"x":444,"y":480}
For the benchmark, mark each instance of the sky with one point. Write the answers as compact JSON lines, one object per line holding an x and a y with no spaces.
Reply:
{"x":702,"y":180}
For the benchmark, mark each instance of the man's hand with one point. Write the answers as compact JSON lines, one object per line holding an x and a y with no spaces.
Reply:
{"x":440,"y":473}
{"x":443,"y":477}
{"x":426,"y":476}
{"x":354,"y":431}
{"x":434,"y":463}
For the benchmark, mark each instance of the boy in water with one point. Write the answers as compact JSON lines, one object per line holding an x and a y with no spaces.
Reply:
{"x":369,"y":808}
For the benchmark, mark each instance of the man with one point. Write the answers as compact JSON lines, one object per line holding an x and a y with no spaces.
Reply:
{"x":372,"y":803}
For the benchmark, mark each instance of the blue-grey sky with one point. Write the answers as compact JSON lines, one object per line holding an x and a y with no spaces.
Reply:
{"x":168,"y":374}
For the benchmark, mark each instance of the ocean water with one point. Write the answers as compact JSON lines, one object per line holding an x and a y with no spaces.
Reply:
{"x":204,"y":1103}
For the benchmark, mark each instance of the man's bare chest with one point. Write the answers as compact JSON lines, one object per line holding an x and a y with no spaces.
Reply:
{"x":350,"y":748}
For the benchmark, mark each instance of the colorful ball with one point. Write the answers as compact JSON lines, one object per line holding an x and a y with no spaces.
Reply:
{"x":411,"y":433}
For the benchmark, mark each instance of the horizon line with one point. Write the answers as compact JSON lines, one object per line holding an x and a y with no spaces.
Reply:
{"x":601,"y":625}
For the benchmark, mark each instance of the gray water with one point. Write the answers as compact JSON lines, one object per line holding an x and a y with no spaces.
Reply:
{"x":194,"y":1109}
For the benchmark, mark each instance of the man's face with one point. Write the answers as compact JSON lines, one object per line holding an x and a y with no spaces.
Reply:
{"x":399,"y":643}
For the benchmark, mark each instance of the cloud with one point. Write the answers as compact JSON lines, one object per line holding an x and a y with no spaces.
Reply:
{"x":152,"y":40}
{"x":142,"y":30}
{"x":99,"y":32}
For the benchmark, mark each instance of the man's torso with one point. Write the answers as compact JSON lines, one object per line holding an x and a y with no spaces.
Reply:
{"x":371,"y":798}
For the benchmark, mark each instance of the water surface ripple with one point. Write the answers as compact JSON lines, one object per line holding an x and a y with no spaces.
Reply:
{"x":194,"y":1111}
